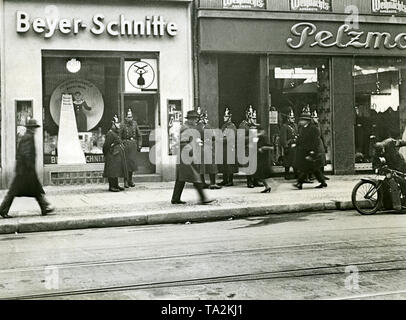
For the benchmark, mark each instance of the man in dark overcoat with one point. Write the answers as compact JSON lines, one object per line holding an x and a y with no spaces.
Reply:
{"x":309,"y":157}
{"x":288,"y":139}
{"x":115,"y":165}
{"x":26,"y":182}
{"x":230,"y":165}
{"x":249,"y":124}
{"x":186,"y":170}
{"x":132,"y":140}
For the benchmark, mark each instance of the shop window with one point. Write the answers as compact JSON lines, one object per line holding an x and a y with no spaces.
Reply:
{"x":380,"y":103}
{"x":296,"y":83}
{"x":80,"y":97}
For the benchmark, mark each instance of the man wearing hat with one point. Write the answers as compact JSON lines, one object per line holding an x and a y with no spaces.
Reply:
{"x":26,"y":182}
{"x":132,"y":140}
{"x":308,"y":156}
{"x":115,"y":165}
{"x":322,"y":146}
{"x":250,"y":123}
{"x":230,"y":165}
{"x":288,"y":138}
{"x":188,"y":171}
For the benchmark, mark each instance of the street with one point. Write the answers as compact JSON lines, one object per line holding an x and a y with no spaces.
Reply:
{"x":323,"y":255}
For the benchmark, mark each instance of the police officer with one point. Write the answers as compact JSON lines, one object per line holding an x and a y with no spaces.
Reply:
{"x":26,"y":183}
{"x":115,"y":165}
{"x":207,"y":134}
{"x":288,"y":139}
{"x":187,"y":171}
{"x":132,"y":140}
{"x":230,"y":165}
{"x":250,"y":123}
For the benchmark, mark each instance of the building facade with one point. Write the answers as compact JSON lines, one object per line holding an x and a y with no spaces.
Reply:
{"x":73,"y":65}
{"x":342,"y":58}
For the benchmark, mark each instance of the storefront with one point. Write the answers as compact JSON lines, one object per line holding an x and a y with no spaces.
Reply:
{"x":349,"y":68}
{"x":73,"y":65}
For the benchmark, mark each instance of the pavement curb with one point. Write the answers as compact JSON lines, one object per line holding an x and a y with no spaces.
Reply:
{"x":205,"y":213}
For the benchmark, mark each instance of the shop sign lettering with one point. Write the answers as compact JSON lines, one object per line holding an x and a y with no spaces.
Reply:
{"x":345,"y":37}
{"x":310,"y":5}
{"x":244,"y":4}
{"x":151,"y":26}
{"x":389,"y":6}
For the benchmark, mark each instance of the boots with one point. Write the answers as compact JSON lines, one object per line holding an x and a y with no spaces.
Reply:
{"x":130,"y":179}
{"x":225,"y":180}
{"x":126,"y":186}
{"x":113,"y":185}
{"x":230,"y":180}
{"x":213,"y":185}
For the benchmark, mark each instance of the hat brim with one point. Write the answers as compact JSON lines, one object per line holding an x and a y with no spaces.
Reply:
{"x":305,"y":118}
{"x":33,"y":126}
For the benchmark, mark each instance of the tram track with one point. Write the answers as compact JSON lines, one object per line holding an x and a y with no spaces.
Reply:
{"x":320,"y":271}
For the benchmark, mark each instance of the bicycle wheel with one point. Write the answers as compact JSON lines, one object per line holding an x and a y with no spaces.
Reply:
{"x":366,"y":197}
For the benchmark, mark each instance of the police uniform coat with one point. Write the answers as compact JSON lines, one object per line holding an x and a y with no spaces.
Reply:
{"x":187,"y":172}
{"x":309,"y":140}
{"x":208,"y":144}
{"x":288,"y":140}
{"x":115,"y":165}
{"x":227,"y":167}
{"x":394,"y":159}
{"x":247,"y":127}
{"x":26,"y":182}
{"x":131,"y":137}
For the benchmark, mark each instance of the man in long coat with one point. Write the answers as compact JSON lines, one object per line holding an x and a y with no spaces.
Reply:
{"x":26,"y":183}
{"x":132,"y":140}
{"x":230,"y":166}
{"x":187,"y":171}
{"x":309,"y":157}
{"x":115,"y":165}
{"x":249,"y":124}
{"x":288,"y":139}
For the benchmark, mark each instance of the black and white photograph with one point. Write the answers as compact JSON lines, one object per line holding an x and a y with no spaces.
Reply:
{"x":214,"y":152}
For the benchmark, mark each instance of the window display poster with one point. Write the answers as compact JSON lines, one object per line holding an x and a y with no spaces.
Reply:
{"x":175,"y":116}
{"x":141,"y":76}
{"x":24,"y":112}
{"x":396,"y":7}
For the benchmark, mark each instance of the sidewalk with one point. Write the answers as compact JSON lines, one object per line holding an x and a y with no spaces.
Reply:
{"x":92,"y":206}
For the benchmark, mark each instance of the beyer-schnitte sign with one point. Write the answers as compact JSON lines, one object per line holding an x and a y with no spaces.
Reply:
{"x":154,"y":26}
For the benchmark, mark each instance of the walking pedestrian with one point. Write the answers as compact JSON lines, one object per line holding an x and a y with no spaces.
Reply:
{"x":250,"y":123}
{"x":115,"y":165}
{"x":26,"y":182}
{"x":132,"y":139}
{"x":288,"y":139}
{"x":230,"y":165}
{"x":322,"y":146}
{"x":263,"y":171}
{"x":188,"y":171}
{"x":308,"y":155}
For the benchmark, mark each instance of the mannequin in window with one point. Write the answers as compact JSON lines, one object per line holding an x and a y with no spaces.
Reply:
{"x":79,"y":104}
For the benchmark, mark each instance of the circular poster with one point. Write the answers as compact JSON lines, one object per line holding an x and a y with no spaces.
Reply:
{"x":85,"y":96}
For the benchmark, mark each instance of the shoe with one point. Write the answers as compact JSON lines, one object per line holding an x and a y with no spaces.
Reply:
{"x":178,"y":202}
{"x":48,"y":210}
{"x":326,"y":178}
{"x":214,"y":187}
{"x":223,"y":183}
{"x":207,"y":201}
{"x":322,"y":185}
{"x":113,"y":189}
{"x":229,"y":184}
{"x":120,"y":188}
{"x":126,"y":186}
{"x":131,"y":184}
{"x":298,"y":185}
{"x":5,"y":216}
{"x":267,"y":190}
{"x":250,"y":186}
